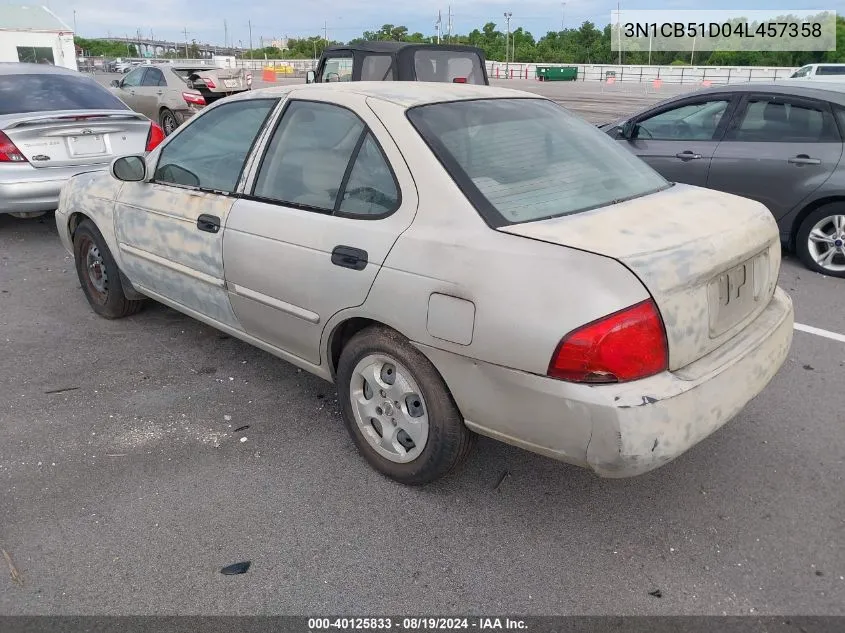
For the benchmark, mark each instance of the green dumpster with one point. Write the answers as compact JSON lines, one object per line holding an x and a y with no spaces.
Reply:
{"x":556,"y":73}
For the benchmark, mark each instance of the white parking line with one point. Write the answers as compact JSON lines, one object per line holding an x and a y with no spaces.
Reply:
{"x":809,"y":329}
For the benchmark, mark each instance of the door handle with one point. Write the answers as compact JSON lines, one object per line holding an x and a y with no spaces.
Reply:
{"x":687,"y":155}
{"x":803,"y":159}
{"x":159,"y":92}
{"x":349,"y":257}
{"x":208,"y":223}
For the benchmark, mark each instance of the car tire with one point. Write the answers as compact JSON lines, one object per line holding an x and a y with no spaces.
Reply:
{"x":829,"y":221}
{"x":99,"y":275}
{"x":423,"y":422}
{"x":168,"y":121}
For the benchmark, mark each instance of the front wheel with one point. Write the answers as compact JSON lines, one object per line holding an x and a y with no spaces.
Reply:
{"x":398,"y":410}
{"x":820,"y":241}
{"x":99,"y":275}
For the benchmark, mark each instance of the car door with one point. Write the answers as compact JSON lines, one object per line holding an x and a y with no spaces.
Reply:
{"x":170,"y":226}
{"x":324,"y":207}
{"x":777,"y":150}
{"x":679,"y":140}
{"x":128,"y":88}
{"x":148,"y":94}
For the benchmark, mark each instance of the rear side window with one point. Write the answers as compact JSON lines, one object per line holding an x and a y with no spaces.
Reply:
{"x":776,"y":120}
{"x":446,"y":66}
{"x":50,"y":93}
{"x":520,"y":160}
{"x":377,"y":68}
{"x":830,"y":70}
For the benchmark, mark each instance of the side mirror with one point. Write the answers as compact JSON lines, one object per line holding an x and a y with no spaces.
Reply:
{"x":310,"y":77}
{"x":629,"y":130}
{"x":129,"y":168}
{"x":115,"y":83}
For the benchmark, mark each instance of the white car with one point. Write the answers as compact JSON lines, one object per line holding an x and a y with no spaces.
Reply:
{"x":820,"y":72}
{"x":457,"y":259}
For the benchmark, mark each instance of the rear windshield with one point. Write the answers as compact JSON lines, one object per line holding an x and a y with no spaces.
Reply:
{"x":446,"y":66}
{"x":49,"y":93}
{"x":520,"y":160}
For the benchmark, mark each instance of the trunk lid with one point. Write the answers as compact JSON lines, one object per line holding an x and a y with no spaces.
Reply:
{"x":217,"y":80}
{"x":710,"y":260}
{"x":76,"y":137}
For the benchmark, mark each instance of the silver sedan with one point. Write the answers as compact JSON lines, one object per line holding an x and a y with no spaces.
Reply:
{"x":56,"y":123}
{"x":459,"y":260}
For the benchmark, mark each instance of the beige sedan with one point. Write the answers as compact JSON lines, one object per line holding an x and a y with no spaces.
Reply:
{"x":459,"y":260}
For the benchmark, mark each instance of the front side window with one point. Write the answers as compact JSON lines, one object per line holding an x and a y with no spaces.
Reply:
{"x":337,"y":69}
{"x":210,"y":152}
{"x":765,"y":119}
{"x":802,"y":72}
{"x":133,"y":79}
{"x":520,"y":160}
{"x":690,"y":122}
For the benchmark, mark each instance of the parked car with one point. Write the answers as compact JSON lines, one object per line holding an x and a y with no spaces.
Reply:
{"x":780,"y":144}
{"x":401,"y":61}
{"x":820,"y":72}
{"x":561,"y":296}
{"x":55,"y":123}
{"x":172,"y":93}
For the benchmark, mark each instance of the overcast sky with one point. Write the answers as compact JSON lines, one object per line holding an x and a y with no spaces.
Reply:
{"x":346,"y":19}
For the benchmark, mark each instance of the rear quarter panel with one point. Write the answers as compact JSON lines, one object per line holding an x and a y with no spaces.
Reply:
{"x":526,"y":294}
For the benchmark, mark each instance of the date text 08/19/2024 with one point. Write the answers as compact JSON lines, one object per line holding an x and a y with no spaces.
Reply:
{"x":414,"y":624}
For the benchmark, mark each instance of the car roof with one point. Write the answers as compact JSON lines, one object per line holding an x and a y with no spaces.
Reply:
{"x":828,"y":91}
{"x":18,"y":68}
{"x":404,"y":93}
{"x":386,"y":46}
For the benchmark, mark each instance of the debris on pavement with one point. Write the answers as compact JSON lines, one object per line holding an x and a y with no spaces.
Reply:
{"x":243,"y":439}
{"x":62,"y":390}
{"x":504,"y":476}
{"x":809,"y":367}
{"x":235,"y":569}
{"x":656,"y":593}
{"x":241,"y":428}
{"x":14,"y":574}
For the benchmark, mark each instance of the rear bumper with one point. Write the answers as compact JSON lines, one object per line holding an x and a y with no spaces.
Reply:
{"x":34,"y":190}
{"x":628,"y":429}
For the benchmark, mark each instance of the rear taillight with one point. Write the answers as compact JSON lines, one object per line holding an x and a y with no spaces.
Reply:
{"x":626,"y":345}
{"x":8,"y":152}
{"x":191,"y":98}
{"x":459,"y":80}
{"x":154,"y":136}
{"x":209,"y":83}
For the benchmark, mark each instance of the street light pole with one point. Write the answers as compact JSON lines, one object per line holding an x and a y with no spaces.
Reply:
{"x":74,"y":22}
{"x":508,"y":15}
{"x":562,"y":16}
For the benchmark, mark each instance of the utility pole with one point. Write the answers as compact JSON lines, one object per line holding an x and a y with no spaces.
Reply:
{"x":508,"y":15}
{"x":74,"y":22}
{"x":326,"y":31}
{"x":225,"y":34}
{"x":562,"y":16}
{"x":449,"y":25}
{"x":185,"y":31}
{"x":249,"y":22}
{"x":437,"y":25}
{"x":619,"y":29}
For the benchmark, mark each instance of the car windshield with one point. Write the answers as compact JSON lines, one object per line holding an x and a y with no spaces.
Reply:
{"x":529,"y":159}
{"x":50,"y":93}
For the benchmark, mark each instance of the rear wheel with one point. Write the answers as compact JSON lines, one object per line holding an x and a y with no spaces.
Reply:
{"x":168,"y":121}
{"x":99,"y":275}
{"x":398,"y":410}
{"x":820,"y":241}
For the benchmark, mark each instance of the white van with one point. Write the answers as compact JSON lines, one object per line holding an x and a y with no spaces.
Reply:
{"x":820,"y":72}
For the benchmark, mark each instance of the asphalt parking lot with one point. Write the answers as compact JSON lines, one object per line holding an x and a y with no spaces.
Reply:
{"x":140,"y":456}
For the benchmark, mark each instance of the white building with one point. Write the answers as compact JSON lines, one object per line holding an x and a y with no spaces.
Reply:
{"x":31,"y":33}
